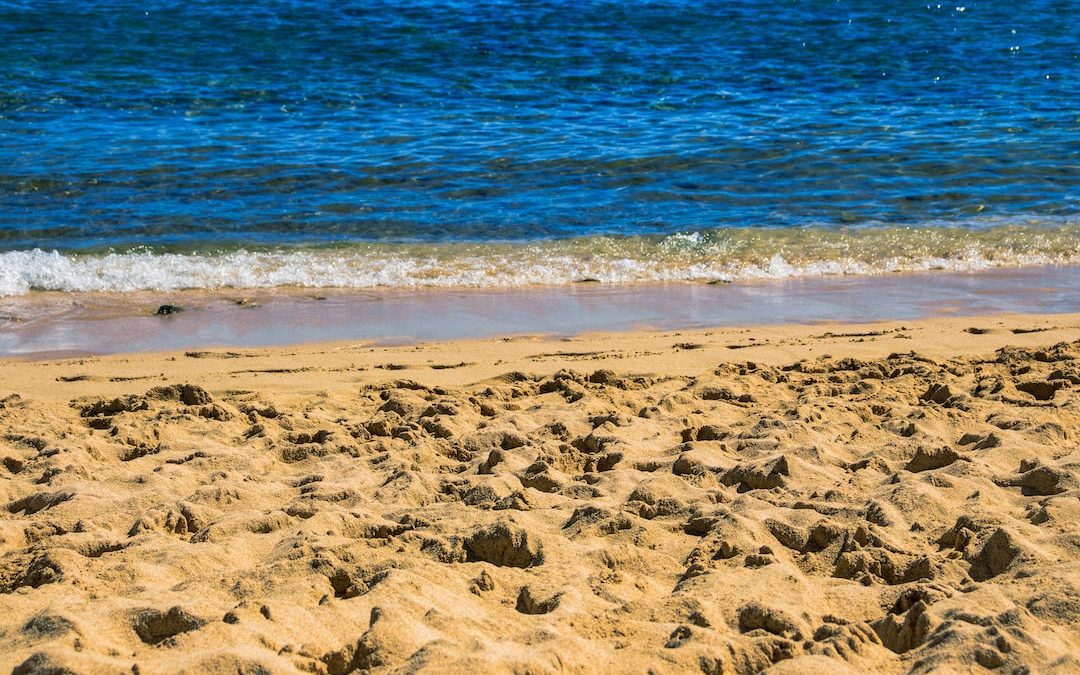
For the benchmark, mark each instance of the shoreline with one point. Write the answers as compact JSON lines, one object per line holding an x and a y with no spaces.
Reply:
{"x":60,"y":324}
{"x":701,"y":255}
{"x":465,"y":361}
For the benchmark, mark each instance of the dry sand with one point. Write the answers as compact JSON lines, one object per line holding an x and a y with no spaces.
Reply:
{"x":873,"y":498}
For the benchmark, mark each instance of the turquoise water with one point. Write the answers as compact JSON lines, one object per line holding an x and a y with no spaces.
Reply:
{"x":226,"y":143}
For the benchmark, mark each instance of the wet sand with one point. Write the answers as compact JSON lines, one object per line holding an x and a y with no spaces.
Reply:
{"x":888,"y":497}
{"x":59,"y":324}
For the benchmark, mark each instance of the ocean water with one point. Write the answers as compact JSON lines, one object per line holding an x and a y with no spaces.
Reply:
{"x":223,"y":143}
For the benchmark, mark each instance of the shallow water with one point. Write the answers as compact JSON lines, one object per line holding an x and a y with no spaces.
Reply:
{"x":730,"y":254}
{"x":530,"y":142}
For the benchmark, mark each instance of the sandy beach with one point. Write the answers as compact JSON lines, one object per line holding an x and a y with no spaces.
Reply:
{"x":891,"y":497}
{"x":539,"y":337}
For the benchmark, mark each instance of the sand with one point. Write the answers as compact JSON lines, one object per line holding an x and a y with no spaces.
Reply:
{"x":893,"y":497}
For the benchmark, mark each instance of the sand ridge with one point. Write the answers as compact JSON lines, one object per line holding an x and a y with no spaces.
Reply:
{"x":898,"y":497}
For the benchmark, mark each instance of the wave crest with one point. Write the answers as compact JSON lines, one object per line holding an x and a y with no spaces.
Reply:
{"x":726,"y":254}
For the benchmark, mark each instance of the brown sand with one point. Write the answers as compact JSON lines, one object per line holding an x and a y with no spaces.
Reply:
{"x":873,"y":498}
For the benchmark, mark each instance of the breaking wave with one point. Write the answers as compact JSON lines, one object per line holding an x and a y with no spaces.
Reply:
{"x":729,"y":254}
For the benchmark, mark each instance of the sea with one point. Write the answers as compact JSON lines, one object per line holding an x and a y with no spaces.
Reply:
{"x":208,"y":144}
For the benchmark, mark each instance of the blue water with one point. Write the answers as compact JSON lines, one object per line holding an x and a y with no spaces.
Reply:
{"x":222,"y":125}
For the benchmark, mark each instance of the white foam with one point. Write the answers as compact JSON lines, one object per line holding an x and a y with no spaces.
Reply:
{"x":678,"y":258}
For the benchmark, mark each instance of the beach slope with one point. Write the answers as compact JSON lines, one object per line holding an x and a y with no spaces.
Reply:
{"x":894,"y":497}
